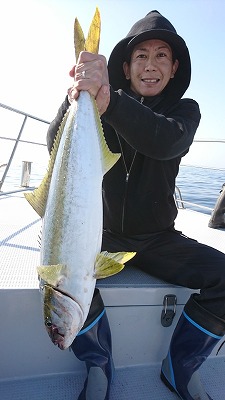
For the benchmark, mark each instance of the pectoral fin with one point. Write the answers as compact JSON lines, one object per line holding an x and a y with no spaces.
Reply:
{"x":52,"y":274}
{"x":108,"y":264}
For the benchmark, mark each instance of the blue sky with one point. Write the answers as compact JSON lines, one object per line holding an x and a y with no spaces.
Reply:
{"x":37,"y":51}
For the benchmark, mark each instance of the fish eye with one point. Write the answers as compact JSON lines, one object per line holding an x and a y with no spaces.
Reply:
{"x":41,"y":286}
{"x":48,"y":323}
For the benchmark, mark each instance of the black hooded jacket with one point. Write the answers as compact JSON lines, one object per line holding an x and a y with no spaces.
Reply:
{"x":151,"y":133}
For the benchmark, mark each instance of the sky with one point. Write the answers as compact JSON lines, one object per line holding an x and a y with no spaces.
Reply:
{"x":36,"y":50}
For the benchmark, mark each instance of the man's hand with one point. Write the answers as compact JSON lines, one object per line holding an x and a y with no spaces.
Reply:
{"x":91,"y":74}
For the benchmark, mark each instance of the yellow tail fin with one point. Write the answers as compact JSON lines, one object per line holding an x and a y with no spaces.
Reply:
{"x":92,"y":42}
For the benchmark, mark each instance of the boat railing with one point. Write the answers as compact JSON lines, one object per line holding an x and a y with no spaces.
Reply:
{"x":180,"y":203}
{"x":16,"y":141}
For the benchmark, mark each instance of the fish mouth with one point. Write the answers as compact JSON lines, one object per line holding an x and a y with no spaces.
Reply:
{"x":53,"y":331}
{"x":56,"y":337}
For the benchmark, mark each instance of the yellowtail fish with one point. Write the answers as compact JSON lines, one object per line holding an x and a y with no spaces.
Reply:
{"x":69,"y":200}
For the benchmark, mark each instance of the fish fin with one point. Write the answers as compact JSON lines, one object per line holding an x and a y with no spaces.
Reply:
{"x":91,"y":44}
{"x":93,"y":39}
{"x":108,"y":264}
{"x":79,"y":40}
{"x":52,"y":274}
{"x":107,"y":157}
{"x":38,"y":198}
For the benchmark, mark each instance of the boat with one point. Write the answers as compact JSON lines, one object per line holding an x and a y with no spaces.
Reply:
{"x":142,"y":311}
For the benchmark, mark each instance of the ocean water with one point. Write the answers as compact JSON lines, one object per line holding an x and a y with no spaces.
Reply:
{"x":200,"y":185}
{"x":197,"y":185}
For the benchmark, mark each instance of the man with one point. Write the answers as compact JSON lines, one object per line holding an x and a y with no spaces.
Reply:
{"x":145,"y":119}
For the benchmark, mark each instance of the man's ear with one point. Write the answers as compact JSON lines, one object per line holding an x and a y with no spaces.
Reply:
{"x":174,"y":68}
{"x":126,"y":70}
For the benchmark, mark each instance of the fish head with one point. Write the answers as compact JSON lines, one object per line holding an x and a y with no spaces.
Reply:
{"x":63,"y":316}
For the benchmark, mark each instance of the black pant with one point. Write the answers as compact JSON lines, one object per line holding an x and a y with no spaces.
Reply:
{"x":178,"y":260}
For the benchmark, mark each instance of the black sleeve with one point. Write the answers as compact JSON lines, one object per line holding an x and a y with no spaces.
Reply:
{"x":154,"y":135}
{"x":54,"y":125}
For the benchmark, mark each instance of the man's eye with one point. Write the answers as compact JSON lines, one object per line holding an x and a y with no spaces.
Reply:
{"x":141,"y":56}
{"x":162,"y":55}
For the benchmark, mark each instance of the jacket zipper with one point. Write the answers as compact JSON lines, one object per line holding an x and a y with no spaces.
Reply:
{"x":127,"y":175}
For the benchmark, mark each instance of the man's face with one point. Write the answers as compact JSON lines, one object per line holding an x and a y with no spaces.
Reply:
{"x":151,"y":67}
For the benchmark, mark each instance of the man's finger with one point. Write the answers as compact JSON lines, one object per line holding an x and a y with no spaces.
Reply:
{"x":72,"y":72}
{"x":103,"y":98}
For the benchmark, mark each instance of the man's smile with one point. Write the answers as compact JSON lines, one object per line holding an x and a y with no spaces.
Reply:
{"x":148,"y":80}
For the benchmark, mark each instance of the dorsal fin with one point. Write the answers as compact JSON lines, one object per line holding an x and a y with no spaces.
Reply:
{"x":92,"y":42}
{"x":38,"y":198}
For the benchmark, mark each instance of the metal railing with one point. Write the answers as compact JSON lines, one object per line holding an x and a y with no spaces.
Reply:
{"x":180,"y":203}
{"x":18,"y":139}
{"x":177,"y":195}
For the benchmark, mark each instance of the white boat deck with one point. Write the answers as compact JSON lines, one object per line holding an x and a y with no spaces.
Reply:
{"x":139,"y":383}
{"x":31,"y":368}
{"x":21,"y":226}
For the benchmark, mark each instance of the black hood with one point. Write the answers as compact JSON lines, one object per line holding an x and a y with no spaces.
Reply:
{"x":152,"y":26}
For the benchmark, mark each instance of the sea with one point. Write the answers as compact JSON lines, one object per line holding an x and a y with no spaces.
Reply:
{"x":198,"y":185}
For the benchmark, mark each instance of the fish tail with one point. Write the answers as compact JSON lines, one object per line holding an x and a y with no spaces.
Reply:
{"x":91,"y":44}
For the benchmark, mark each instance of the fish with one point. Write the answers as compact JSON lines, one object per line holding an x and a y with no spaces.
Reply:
{"x":217,"y":219}
{"x":69,"y":201}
